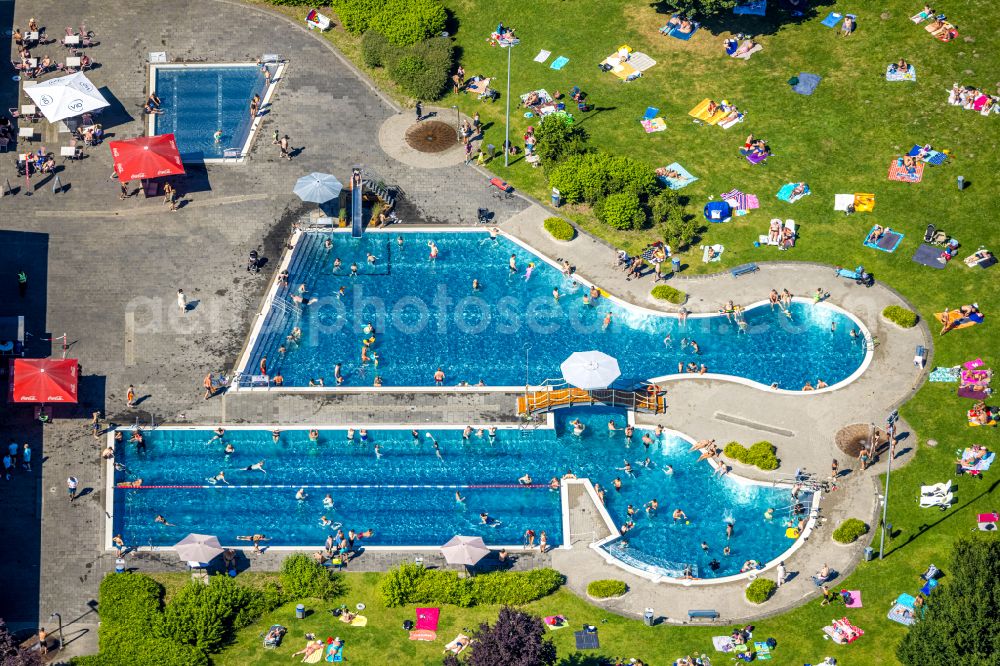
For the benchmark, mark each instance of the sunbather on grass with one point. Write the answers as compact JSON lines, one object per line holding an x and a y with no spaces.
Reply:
{"x":744,"y":48}
{"x":876,"y":234}
{"x":774,"y":233}
{"x":902,"y":66}
{"x":798,"y":190}
{"x":671,"y":174}
{"x":682,"y":25}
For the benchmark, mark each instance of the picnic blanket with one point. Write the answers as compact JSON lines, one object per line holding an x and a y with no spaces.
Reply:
{"x":941,"y":374}
{"x":586,"y":640}
{"x":719,"y":249}
{"x":654,"y":125}
{"x":677,"y":183}
{"x":543,"y":95}
{"x":785,"y":193}
{"x":543,"y":55}
{"x":945,"y":32}
{"x":933,"y":157}
{"x":832,"y":19}
{"x":559,"y":62}
{"x":972,"y":394}
{"x":887,"y":243}
{"x":806,"y":83}
{"x":752,"y":8}
{"x":741,"y":200}
{"x":928,"y":255}
{"x":902,"y":610}
{"x":893,"y":74}
{"x":723,"y":644}
{"x":906,"y":174}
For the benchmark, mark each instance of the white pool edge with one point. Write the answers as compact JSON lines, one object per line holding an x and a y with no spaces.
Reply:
{"x":254,"y":126}
{"x":244,"y":359}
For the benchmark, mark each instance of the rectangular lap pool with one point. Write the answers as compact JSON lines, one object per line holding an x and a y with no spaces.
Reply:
{"x":419,"y":490}
{"x":199,"y":100}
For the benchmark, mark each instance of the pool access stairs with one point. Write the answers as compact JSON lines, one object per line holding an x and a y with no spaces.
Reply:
{"x":555,"y":398}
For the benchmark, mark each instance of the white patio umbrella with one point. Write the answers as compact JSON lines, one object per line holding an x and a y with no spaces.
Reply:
{"x":198,"y":548}
{"x":318,"y":187}
{"x":66,"y":97}
{"x":465,"y":550}
{"x":590,"y":370}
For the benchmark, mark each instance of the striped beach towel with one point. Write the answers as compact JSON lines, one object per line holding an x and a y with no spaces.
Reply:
{"x":741,"y":200}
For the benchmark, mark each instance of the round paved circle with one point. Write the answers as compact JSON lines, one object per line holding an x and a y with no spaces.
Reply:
{"x":851,"y":439}
{"x":431,"y":136}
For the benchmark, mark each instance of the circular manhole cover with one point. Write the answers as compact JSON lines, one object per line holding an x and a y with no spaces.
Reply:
{"x":431,"y":136}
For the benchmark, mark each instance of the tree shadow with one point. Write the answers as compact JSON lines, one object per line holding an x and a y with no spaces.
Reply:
{"x":780,"y":13}
{"x":955,"y":509}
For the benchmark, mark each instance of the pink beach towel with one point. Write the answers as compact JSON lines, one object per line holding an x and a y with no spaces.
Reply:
{"x":427,"y":618}
{"x":855,"y":599}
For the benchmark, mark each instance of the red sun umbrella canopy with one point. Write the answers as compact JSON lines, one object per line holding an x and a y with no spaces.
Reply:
{"x":44,"y":380}
{"x":146,"y":157}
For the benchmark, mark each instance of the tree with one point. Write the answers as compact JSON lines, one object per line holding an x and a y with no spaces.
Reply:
{"x":678,"y":229}
{"x":516,"y":639}
{"x":621,"y":210}
{"x":11,"y":653}
{"x":959,"y":623}
{"x":699,"y":8}
{"x":558,"y":139}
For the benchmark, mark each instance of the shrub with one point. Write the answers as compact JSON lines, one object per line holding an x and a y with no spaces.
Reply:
{"x":560,"y":228}
{"x":206,"y":616}
{"x":356,"y":15}
{"x":601,"y":589}
{"x":411,"y":583}
{"x":557,"y":139}
{"x":667,"y":293}
{"x":417,"y":78}
{"x":760,"y":454}
{"x":678,"y":230}
{"x":515,"y":639}
{"x":131,"y":600}
{"x":621,"y":210}
{"x":761,"y":590}
{"x":590,"y":177}
{"x":376,"y":50}
{"x":301,"y":576}
{"x":900,"y":316}
{"x":406,"y":22}
{"x":850,"y":531}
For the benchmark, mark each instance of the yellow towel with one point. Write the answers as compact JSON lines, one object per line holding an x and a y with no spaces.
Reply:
{"x":864,"y":203}
{"x":359,"y":621}
{"x":699,"y":111}
{"x":623,"y":71}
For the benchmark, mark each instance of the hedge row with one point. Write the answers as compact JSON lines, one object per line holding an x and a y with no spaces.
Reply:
{"x":402,"y":22}
{"x":760,"y":454}
{"x":413,"y":584}
{"x":602,"y":589}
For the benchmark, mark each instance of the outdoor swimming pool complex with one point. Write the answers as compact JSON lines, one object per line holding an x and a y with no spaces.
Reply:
{"x":197,"y":100}
{"x":511,"y":331}
{"x":408,"y":495}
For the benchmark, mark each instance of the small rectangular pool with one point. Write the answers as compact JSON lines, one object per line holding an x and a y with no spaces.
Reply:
{"x":198,"y":100}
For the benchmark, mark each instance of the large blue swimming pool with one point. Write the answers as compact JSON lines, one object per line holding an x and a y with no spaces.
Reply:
{"x":197,"y":100}
{"x":407,"y":496}
{"x":511,"y":330}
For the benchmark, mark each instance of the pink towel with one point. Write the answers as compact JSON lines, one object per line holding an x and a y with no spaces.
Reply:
{"x":855,"y":599}
{"x":427,"y":618}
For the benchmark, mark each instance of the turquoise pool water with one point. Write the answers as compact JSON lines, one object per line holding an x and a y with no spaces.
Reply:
{"x":511,"y":330}
{"x":197,"y":100}
{"x":407,"y":496}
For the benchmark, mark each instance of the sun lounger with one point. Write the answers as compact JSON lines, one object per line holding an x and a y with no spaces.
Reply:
{"x":456,"y":646}
{"x":937,"y":489}
{"x":543,"y":55}
{"x":718,"y":249}
{"x":559,"y":62}
{"x":906,"y":174}
{"x":892,"y":73}
{"x":942,"y":502}
{"x":677,"y":183}
{"x":744,"y":269}
{"x":888,"y":242}
{"x":807,"y":83}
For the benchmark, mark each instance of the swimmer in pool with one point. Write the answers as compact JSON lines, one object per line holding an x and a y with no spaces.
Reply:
{"x":314,"y":435}
{"x":769,"y":514}
{"x":221,"y":476}
{"x":300,"y":494}
{"x":337,"y":263}
{"x":667,"y":341}
{"x":433,"y":250}
{"x":647,"y":441}
{"x":354,"y":270}
{"x":378,"y":452}
{"x":512,"y":263}
{"x":350,"y":434}
{"x":647,"y":463}
{"x":617,"y":483}
{"x":325,"y":522}
{"x":668,"y":470}
{"x":364,"y":435}
{"x":459,"y":498}
{"x":553,"y":483}
{"x":162,"y":521}
{"x":729,"y":530}
{"x":467,"y":432}
{"x":629,"y":432}
{"x":679,"y":515}
{"x":651,"y":506}
{"x":230,"y":449}
{"x":475,"y":284}
{"x":611,"y":428}
{"x":627,"y":469}
{"x":528,"y":271}
{"x":578,"y":427}
{"x":494,"y":232}
{"x":694,"y":347}
{"x":493,"y":434}
{"x":342,"y":292}
{"x":437,"y":449}
{"x":257,"y":466}
{"x":328,"y":501}
{"x":525,"y":480}
{"x":607,"y":321}
{"x":726,"y":551}
{"x":219,"y":432}
{"x":486,"y":519}
{"x":555,"y":294}
{"x":415,"y":434}
{"x":275,"y":435}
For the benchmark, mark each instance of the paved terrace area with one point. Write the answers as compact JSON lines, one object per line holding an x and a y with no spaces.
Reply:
{"x":108,"y":271}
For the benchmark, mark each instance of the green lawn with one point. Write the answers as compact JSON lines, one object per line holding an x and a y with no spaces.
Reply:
{"x":841,"y":139}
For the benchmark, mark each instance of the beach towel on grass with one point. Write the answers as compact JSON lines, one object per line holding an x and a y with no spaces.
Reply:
{"x":640,"y":61}
{"x":934,"y":157}
{"x":723,"y":644}
{"x":956,"y":315}
{"x":543,"y":55}
{"x":677,"y":183}
{"x":741,"y":200}
{"x":543,"y":96}
{"x":887,"y":243}
{"x":928,"y":255}
{"x":972,"y":394}
{"x":893,"y":74}
{"x":832,"y":19}
{"x":843,"y":201}
{"x":906,"y":174}
{"x":676,"y":33}
{"x":359,"y":621}
{"x":423,"y":635}
{"x":807,"y":83}
{"x":554,"y":622}
{"x":902,"y":614}
{"x":559,"y":62}
{"x":752,"y":8}
{"x":701,"y":112}
{"x":586,"y":640}
{"x":731,"y":119}
{"x":719,"y":249}
{"x":941,"y":374}
{"x":427,"y":618}
{"x":785,"y":193}
{"x":762,"y":649}
{"x":921,"y":17}
{"x":654,"y":125}
{"x":855,"y":599}
{"x":746,"y":54}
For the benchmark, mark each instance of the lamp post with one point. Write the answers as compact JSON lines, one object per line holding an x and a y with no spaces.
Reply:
{"x":506,"y":143}
{"x":59,"y":617}
{"x":888,"y":470}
